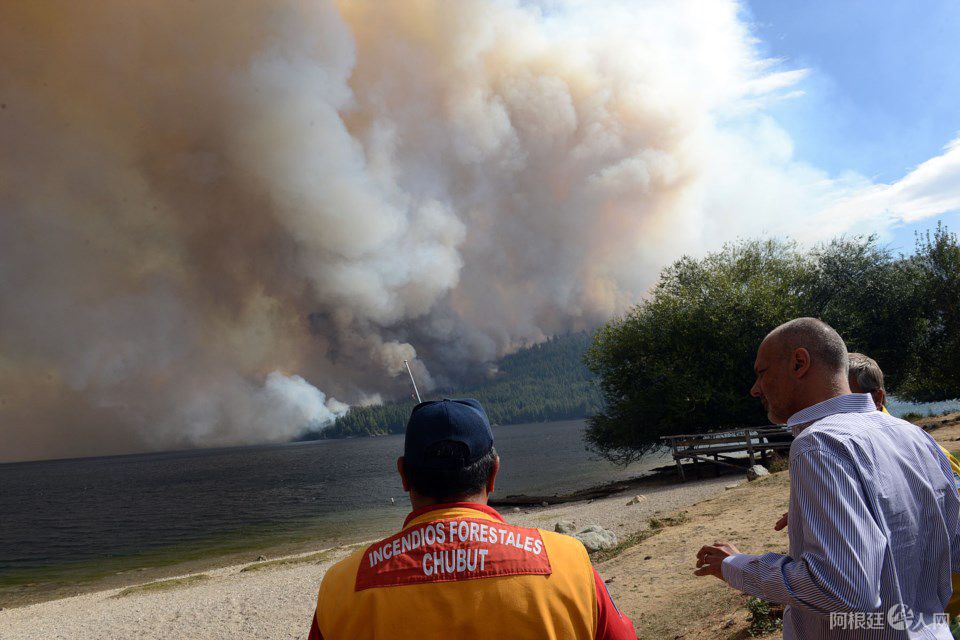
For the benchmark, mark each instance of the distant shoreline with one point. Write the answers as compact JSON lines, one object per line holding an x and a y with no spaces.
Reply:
{"x":897,"y":408}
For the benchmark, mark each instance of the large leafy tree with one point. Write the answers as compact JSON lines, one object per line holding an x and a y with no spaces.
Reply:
{"x":682,"y":361}
{"x":934,"y":371}
{"x":872,"y":298}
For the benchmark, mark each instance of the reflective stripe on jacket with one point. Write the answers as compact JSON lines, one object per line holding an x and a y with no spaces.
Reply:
{"x":459,"y":570}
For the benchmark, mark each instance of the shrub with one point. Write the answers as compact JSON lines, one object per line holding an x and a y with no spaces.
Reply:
{"x":764,"y":617}
{"x":778,"y":463}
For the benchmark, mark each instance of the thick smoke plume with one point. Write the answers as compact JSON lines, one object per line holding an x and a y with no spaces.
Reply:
{"x":211,"y":210}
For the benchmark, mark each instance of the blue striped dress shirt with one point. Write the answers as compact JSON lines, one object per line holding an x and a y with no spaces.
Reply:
{"x":873,"y":529}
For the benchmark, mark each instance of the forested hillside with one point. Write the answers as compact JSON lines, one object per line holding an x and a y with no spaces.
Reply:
{"x":545,"y":382}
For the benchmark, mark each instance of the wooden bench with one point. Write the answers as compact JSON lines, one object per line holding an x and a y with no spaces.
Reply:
{"x":701,"y":447}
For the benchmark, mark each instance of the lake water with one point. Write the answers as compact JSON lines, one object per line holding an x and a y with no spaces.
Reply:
{"x":898,"y":408}
{"x":69,"y":520}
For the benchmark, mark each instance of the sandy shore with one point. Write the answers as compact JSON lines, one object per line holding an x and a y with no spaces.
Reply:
{"x":276,"y":599}
{"x":652,"y":581}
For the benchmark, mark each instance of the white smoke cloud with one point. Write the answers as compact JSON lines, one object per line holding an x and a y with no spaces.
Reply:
{"x":195,"y":197}
{"x":291,"y":400}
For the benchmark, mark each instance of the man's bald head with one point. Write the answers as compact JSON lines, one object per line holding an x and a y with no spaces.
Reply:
{"x":800,"y":363}
{"x":825,"y":346}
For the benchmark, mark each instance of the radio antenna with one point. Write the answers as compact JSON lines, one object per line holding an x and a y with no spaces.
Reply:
{"x":415,"y":390}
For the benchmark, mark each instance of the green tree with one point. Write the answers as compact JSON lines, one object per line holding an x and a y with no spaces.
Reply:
{"x":682,"y":361}
{"x":872,"y":298}
{"x":934,"y":371}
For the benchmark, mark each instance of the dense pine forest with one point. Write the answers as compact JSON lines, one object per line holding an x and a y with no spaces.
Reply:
{"x":545,"y":382}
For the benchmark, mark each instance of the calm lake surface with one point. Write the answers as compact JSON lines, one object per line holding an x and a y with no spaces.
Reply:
{"x":69,"y":520}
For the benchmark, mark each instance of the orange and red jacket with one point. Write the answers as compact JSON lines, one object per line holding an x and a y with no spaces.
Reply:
{"x":459,"y":570}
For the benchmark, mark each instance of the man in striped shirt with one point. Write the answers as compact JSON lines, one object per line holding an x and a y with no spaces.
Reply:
{"x":873,"y":512}
{"x":866,"y":376}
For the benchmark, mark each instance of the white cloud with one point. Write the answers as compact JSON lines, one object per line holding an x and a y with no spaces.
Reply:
{"x":932,"y":189}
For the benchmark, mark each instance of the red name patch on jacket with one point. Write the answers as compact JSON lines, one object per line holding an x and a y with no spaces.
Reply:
{"x":450,"y":550}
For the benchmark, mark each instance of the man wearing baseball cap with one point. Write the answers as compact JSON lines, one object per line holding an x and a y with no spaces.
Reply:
{"x":457,"y":569}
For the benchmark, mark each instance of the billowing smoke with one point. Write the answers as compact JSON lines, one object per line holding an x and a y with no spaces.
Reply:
{"x":211,"y":210}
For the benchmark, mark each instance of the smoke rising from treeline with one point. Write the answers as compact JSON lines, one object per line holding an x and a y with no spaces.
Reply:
{"x":211,"y":211}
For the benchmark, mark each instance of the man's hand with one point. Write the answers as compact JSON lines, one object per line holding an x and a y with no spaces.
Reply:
{"x":781,"y":523}
{"x":710,"y":559}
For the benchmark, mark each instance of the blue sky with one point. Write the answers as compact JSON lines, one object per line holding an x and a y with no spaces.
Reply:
{"x":883,"y":93}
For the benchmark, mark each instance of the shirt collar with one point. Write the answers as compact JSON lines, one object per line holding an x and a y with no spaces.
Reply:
{"x":849,"y":403}
{"x":449,"y":510}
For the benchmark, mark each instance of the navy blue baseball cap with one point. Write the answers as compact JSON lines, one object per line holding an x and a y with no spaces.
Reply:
{"x":434,"y":421}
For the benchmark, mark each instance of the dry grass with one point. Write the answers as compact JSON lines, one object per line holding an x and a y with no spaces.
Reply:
{"x":627,"y":542}
{"x":314,"y":558}
{"x":669,"y":521}
{"x":163,"y":585}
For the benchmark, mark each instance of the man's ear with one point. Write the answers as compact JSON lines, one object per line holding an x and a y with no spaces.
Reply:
{"x":800,"y":363}
{"x":402,"y":470}
{"x":492,"y":480}
{"x":879,"y":398}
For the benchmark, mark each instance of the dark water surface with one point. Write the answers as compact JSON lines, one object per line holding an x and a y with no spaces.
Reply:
{"x":69,"y":520}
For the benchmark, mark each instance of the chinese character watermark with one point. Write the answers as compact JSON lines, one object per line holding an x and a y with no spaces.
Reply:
{"x":899,"y":617}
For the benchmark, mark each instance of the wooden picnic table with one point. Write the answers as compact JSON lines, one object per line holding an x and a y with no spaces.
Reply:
{"x":715,"y":447}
